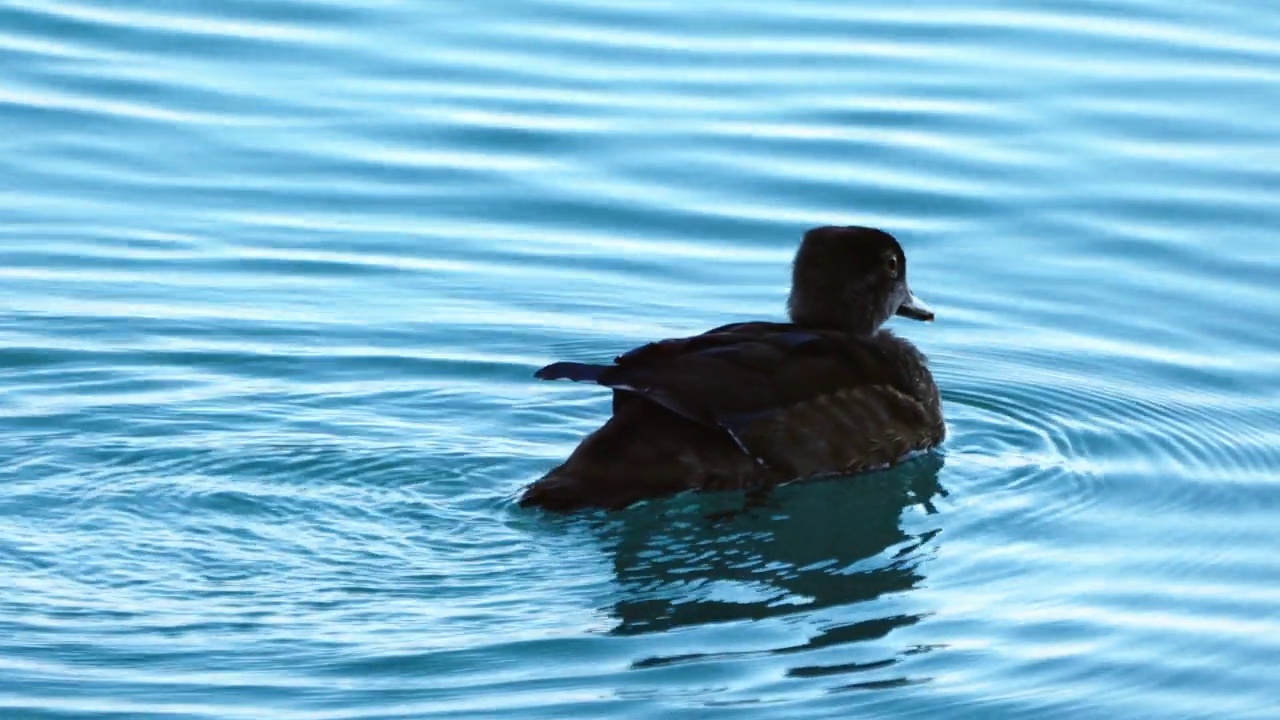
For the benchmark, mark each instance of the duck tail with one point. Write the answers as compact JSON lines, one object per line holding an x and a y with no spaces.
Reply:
{"x":557,"y":491}
{"x":578,"y":372}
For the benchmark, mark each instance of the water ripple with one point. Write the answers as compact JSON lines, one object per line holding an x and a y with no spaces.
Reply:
{"x":274,"y":276}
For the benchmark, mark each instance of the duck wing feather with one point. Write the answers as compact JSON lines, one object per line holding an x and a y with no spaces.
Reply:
{"x":798,"y":400}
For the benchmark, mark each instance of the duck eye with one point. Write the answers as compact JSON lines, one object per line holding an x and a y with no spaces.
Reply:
{"x":891,"y":265}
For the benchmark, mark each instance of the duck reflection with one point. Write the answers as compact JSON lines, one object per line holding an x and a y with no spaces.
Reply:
{"x":810,"y":546}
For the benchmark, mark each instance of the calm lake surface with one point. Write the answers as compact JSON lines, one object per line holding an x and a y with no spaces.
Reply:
{"x":275,"y":275}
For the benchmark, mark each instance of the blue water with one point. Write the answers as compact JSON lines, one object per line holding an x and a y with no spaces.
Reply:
{"x":275,"y":275}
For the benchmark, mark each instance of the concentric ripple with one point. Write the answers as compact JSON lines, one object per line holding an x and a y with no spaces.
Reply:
{"x":1011,"y":414}
{"x":274,"y":276}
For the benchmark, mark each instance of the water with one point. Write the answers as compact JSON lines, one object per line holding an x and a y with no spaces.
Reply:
{"x":274,"y":277}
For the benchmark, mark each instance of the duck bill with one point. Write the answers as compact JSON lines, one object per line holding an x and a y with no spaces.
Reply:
{"x":915,"y":308}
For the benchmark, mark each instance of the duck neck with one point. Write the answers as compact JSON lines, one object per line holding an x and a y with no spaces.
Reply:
{"x":832,"y":316}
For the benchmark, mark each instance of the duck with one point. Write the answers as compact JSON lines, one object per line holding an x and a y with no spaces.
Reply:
{"x":751,"y":405}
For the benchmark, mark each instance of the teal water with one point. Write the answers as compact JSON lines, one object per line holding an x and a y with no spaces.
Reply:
{"x":275,"y":275}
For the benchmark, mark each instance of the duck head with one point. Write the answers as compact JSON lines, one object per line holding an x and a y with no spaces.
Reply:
{"x":853,"y":279}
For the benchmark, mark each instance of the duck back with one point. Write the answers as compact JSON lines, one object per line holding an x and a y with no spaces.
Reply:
{"x":745,"y":406}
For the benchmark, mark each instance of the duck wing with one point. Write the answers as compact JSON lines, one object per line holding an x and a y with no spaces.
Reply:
{"x":798,"y":400}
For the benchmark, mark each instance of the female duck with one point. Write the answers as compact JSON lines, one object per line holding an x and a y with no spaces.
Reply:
{"x":755,"y":404}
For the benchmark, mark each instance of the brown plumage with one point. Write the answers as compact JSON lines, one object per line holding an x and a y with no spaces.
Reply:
{"x":754,"y":404}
